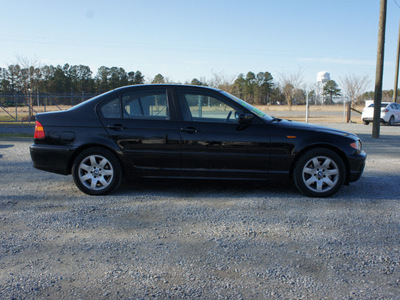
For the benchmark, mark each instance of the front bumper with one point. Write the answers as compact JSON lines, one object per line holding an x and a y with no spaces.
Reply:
{"x":356,"y":166}
{"x":52,"y":158}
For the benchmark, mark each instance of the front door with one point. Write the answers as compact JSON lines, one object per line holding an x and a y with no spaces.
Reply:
{"x":213,"y":142}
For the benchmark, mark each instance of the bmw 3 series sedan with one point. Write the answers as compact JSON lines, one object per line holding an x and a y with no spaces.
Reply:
{"x":189,"y":132}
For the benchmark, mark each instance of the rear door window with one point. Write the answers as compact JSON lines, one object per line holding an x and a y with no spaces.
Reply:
{"x":138,"y":105}
{"x":111,"y":109}
{"x":145,"y":105}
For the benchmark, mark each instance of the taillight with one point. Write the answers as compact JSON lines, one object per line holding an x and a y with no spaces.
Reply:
{"x":39,"y":131}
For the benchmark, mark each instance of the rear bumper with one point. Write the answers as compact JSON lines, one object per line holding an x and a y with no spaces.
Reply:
{"x":371,"y":120}
{"x":356,"y":166}
{"x":367,"y":119}
{"x":383,"y":119}
{"x":52,"y":158}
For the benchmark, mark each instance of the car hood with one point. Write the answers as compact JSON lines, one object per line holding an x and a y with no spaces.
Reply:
{"x":314,"y":128}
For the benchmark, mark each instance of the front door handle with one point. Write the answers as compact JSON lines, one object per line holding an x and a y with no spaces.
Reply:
{"x":189,"y":130}
{"x":117,"y":127}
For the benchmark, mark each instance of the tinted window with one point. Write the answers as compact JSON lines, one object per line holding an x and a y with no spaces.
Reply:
{"x":112,"y":109}
{"x":145,"y":105}
{"x":206,"y":108}
{"x":139,"y":105}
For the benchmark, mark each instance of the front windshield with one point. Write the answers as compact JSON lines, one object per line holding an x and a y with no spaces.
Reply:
{"x":251,"y":108}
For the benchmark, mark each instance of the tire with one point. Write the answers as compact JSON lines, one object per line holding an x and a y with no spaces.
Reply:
{"x":97,"y":171}
{"x":391,"y":121}
{"x":366,"y":122}
{"x":319,"y":173}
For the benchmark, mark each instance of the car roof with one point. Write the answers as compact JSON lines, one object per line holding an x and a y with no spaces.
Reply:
{"x":167,"y":85}
{"x":95,"y":100}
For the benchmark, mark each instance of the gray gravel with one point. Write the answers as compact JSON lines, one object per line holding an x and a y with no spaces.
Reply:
{"x":200,"y":240}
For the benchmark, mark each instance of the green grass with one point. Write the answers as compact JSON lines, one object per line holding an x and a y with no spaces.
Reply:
{"x":6,"y":119}
{"x":18,"y":124}
{"x":16,"y":135}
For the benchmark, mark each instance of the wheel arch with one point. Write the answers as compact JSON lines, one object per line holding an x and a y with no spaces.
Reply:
{"x":323,"y":146}
{"x":83,"y":147}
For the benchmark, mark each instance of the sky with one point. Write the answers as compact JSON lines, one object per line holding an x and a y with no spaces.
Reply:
{"x":184,"y":39}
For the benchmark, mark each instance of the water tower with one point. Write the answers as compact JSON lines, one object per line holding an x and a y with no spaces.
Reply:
{"x":322,"y":78}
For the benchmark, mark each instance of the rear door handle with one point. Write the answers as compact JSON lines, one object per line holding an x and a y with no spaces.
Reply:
{"x":117,"y":127}
{"x":189,"y":130}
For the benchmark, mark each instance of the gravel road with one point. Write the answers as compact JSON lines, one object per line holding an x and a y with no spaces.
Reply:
{"x":200,"y":239}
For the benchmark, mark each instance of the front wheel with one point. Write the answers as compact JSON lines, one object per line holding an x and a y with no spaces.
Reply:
{"x":96,"y":171}
{"x":319,"y":173}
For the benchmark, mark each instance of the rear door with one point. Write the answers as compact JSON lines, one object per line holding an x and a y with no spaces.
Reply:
{"x":143,"y":125}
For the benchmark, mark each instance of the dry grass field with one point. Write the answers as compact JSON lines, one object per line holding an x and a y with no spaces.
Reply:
{"x":317,"y":113}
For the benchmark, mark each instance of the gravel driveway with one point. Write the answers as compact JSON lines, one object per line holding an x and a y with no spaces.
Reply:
{"x":200,"y":240}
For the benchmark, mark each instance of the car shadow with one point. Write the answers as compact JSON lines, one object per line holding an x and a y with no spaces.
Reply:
{"x":5,"y":147}
{"x":207,"y":188}
{"x":369,"y":189}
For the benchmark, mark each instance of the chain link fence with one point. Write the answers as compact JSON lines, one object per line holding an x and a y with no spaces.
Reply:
{"x":20,"y":108}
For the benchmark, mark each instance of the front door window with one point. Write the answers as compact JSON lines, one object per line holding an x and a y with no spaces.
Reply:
{"x":206,"y":108}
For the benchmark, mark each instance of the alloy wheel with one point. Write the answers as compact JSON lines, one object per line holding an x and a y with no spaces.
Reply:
{"x":95,"y":172}
{"x":320,"y":174}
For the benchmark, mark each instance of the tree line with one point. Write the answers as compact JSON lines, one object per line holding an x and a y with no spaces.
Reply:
{"x":65,"y":79}
{"x":258,"y":88}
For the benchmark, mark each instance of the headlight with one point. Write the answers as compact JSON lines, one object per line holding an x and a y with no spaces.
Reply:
{"x":356,"y":145}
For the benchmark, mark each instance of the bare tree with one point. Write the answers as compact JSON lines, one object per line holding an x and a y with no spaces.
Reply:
{"x":290,"y":83}
{"x":222,"y":81}
{"x":29,"y":76}
{"x":354,"y":86}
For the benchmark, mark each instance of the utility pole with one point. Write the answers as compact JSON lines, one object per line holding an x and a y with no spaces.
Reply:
{"x":379,"y":70}
{"x":307,"y":107}
{"x":396,"y":77}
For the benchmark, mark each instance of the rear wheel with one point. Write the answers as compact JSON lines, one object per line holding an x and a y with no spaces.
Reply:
{"x":391,"y":121}
{"x":366,"y":122}
{"x":319,"y":173}
{"x":96,"y":171}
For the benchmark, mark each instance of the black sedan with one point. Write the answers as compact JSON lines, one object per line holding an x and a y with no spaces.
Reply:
{"x":178,"y":131}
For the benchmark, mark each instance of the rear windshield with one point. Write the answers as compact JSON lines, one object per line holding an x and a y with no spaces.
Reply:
{"x":382,"y":105}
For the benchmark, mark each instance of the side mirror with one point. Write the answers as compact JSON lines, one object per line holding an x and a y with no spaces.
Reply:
{"x":244,"y":119}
